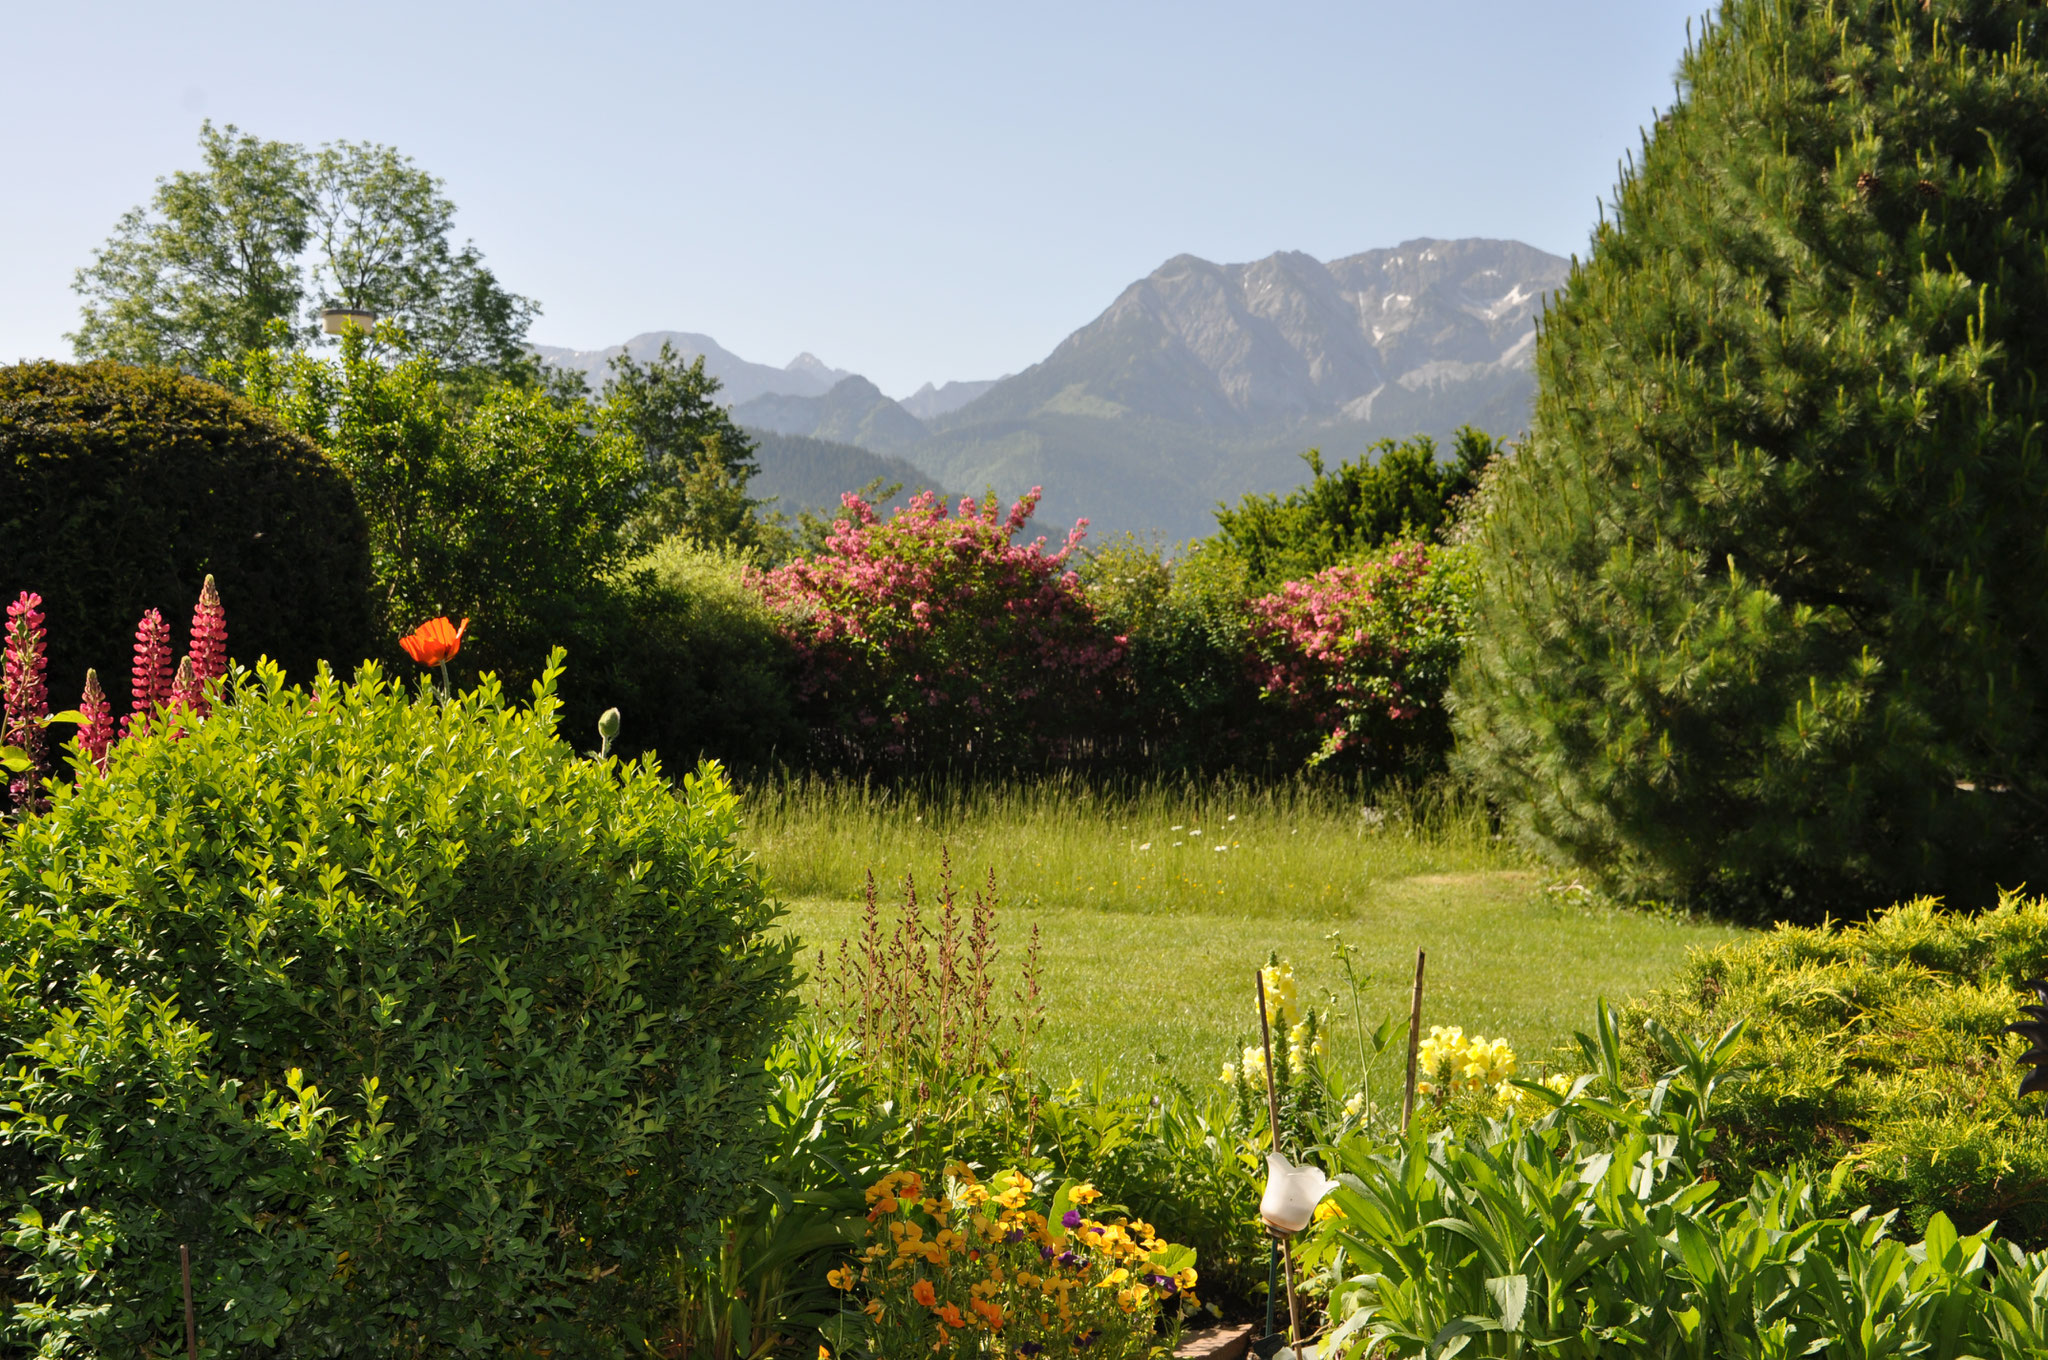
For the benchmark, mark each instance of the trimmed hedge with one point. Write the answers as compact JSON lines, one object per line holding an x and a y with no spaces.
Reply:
{"x":1878,"y":1048}
{"x":121,"y":488}
{"x":428,"y":1035}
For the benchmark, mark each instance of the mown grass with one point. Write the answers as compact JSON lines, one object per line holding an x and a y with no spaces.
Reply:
{"x":1150,"y":932}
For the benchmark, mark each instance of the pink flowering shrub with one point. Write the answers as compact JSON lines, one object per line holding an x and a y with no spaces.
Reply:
{"x":1364,"y":654}
{"x":935,"y":637}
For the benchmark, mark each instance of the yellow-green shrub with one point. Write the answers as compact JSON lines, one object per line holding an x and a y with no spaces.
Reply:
{"x":1878,"y":1047}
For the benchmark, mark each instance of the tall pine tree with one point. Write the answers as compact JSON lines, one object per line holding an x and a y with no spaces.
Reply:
{"x":1764,"y":622}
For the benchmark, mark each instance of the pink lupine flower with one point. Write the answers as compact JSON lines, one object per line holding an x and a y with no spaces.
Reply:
{"x":186,"y":691}
{"x":150,"y":679}
{"x":209,"y":650}
{"x":96,"y":737}
{"x":27,"y":700}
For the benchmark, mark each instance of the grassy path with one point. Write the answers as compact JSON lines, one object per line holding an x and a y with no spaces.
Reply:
{"x":1148,"y":952}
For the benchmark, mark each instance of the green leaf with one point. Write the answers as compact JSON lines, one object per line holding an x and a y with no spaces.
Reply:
{"x":1510,"y":1295}
{"x":1062,"y":1200}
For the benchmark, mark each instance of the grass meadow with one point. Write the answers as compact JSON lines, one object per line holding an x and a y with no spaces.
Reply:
{"x":1154,"y":905}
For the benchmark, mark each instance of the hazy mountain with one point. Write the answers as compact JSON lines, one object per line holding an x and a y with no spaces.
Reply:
{"x":800,"y":473}
{"x":806,"y":375}
{"x":853,"y":412}
{"x":929,"y":403}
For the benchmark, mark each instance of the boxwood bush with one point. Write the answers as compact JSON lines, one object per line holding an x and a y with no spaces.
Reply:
{"x":427,"y":1034}
{"x":1878,"y":1049}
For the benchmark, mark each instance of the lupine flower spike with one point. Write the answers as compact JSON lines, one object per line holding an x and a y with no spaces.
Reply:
{"x":187,"y":694}
{"x":150,"y":680}
{"x":96,"y":733}
{"x":209,"y":650}
{"x":435,"y":643}
{"x":27,"y":700}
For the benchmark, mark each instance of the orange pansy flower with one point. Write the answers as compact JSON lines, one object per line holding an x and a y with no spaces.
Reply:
{"x":435,"y":642}
{"x":923,"y":1292}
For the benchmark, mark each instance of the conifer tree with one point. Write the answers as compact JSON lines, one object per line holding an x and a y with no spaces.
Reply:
{"x":1764,"y":615}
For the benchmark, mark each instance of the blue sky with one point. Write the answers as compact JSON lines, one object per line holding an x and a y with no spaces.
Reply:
{"x":916,"y":192}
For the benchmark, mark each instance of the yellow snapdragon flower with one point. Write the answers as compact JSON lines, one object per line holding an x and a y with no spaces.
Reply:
{"x":1280,"y":993}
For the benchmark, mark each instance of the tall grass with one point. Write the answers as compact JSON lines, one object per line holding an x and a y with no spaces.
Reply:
{"x":1151,"y":934}
{"x":1290,"y":849}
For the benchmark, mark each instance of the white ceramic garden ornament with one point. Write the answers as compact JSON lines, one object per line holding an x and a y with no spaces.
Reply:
{"x":1292,"y":1193}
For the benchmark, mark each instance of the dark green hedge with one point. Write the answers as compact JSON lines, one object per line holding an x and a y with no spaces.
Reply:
{"x":121,"y":488}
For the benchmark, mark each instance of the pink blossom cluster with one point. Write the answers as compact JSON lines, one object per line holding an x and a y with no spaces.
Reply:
{"x":938,"y":635}
{"x":1363,"y":652}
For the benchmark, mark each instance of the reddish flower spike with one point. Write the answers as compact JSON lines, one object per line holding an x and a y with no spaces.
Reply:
{"x":187,"y":694}
{"x":150,"y":680}
{"x":209,"y":651}
{"x":96,"y":737}
{"x":27,"y":699}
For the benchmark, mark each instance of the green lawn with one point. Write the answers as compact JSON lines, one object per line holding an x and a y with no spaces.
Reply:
{"x":1151,"y":932}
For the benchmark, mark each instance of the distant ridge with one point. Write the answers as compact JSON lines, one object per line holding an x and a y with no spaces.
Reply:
{"x":799,"y":473}
{"x":806,"y":375}
{"x":929,"y":403}
{"x":853,"y":412}
{"x":1199,"y":383}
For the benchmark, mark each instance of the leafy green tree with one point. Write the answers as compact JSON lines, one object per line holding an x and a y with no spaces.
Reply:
{"x":511,"y":510}
{"x":269,"y":232}
{"x":1764,"y":613}
{"x":197,"y":276}
{"x":1361,"y":507}
{"x":698,"y":460}
{"x":382,"y":228}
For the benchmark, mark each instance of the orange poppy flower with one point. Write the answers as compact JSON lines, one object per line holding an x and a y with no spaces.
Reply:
{"x":435,"y":642}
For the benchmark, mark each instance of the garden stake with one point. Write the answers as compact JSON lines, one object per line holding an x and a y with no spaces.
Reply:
{"x":191,"y":1327}
{"x":1414,"y":1041}
{"x":1284,"y":1247}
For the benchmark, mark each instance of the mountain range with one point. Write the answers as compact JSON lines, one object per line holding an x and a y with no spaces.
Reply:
{"x":1200,"y":382}
{"x":804,"y":376}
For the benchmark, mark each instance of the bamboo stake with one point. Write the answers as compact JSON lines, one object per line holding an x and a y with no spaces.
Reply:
{"x":1273,"y":1126}
{"x":1414,"y":1042}
{"x":191,"y":1326}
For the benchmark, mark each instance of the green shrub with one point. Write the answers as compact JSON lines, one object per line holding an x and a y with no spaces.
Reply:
{"x":713,"y":670}
{"x":426,"y":1034}
{"x":121,"y":488}
{"x":684,"y":646}
{"x":1188,"y":700}
{"x":1360,"y":508}
{"x":1878,"y":1048}
{"x":507,"y":507}
{"x":1765,"y":594}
